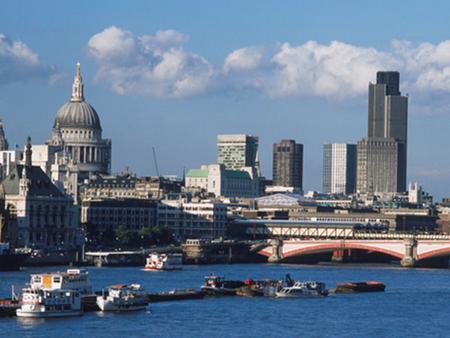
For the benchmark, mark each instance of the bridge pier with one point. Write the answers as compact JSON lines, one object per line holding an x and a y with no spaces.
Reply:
{"x":409,"y":260}
{"x":338,"y":256}
{"x":277,"y":254}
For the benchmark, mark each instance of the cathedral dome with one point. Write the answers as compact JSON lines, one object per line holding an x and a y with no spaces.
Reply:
{"x":77,"y":113}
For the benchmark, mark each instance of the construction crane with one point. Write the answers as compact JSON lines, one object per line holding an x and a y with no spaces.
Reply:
{"x":156,"y":162}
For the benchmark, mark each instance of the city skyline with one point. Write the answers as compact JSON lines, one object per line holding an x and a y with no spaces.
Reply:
{"x":162,"y":119}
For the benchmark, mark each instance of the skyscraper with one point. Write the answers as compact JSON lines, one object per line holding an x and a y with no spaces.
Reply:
{"x":238,"y":151}
{"x":288,"y":164}
{"x":339,"y":168}
{"x":3,"y":141}
{"x":388,"y":120}
{"x":378,"y":165}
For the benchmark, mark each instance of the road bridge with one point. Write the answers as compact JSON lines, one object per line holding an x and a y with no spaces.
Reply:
{"x":409,"y":249}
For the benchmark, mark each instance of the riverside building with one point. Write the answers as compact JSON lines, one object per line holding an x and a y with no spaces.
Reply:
{"x":219,"y":181}
{"x":39,"y":215}
{"x":189,"y":219}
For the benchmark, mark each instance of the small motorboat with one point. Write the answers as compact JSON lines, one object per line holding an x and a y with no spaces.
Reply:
{"x":301,"y":289}
{"x":350,"y":287}
{"x":123,"y":298}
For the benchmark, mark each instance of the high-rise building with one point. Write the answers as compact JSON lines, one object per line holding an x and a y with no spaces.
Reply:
{"x":288,"y":164}
{"x":388,"y":120}
{"x":339,"y":168}
{"x":238,"y":151}
{"x":388,"y":110}
{"x":3,"y":141}
{"x":378,"y":165}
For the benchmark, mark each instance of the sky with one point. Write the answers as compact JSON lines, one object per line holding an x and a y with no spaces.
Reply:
{"x":174,"y":74}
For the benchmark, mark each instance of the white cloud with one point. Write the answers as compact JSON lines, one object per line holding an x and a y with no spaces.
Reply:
{"x":159,"y":65}
{"x":155,"y":65}
{"x":247,"y":58}
{"x":19,"y":63}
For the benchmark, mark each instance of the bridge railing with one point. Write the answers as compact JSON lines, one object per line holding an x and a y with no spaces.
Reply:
{"x":337,"y":233}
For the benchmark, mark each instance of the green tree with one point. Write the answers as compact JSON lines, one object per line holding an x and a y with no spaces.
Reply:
{"x":122,"y":235}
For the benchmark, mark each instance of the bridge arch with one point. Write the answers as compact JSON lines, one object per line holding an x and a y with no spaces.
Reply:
{"x":310,"y":249}
{"x":434,"y":253}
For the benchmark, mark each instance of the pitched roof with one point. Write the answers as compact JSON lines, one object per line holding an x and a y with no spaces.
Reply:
{"x":40,"y":183}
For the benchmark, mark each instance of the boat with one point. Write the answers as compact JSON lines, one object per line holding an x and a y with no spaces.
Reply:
{"x":217,"y":285}
{"x":175,"y":295}
{"x":350,"y":287}
{"x":72,"y":279}
{"x":8,"y":306}
{"x":301,"y":289}
{"x":11,"y":259}
{"x":255,"y":288}
{"x":40,"y":303}
{"x":122,"y":298}
{"x":164,"y":262}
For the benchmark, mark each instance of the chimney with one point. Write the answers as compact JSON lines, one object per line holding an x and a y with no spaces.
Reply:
{"x":28,"y":162}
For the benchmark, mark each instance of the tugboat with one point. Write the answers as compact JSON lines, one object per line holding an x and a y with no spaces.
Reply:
{"x":122,"y":298}
{"x":217,"y":285}
{"x":39,"y":303}
{"x":11,"y":260}
{"x":164,"y":262}
{"x":302,"y":289}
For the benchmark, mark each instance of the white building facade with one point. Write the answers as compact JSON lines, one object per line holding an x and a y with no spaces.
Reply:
{"x":217,"y":180}
{"x":203,"y":219}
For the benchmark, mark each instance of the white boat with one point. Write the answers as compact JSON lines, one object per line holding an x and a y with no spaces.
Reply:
{"x":306,"y":289}
{"x":123,"y":298}
{"x":39,"y":303}
{"x":72,"y":279}
{"x":164,"y":262}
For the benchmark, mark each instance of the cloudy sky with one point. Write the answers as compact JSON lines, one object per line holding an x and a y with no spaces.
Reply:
{"x":174,"y":74}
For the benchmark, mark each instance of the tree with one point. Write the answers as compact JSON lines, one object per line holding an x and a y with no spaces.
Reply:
{"x":122,"y":235}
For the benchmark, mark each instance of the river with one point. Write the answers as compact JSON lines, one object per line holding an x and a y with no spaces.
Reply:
{"x":415,"y":304}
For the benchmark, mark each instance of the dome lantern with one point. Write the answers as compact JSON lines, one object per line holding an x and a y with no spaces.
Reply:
{"x":77,"y":87}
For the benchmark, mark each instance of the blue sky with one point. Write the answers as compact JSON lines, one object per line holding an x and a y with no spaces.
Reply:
{"x":174,"y":74}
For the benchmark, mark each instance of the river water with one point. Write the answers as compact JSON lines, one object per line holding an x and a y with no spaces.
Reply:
{"x":415,"y":304}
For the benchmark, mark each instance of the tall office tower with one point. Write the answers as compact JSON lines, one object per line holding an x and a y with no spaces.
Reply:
{"x":288,"y":164}
{"x":388,"y":119}
{"x":3,"y":141}
{"x":339,"y":168}
{"x":378,"y":165}
{"x":238,"y":151}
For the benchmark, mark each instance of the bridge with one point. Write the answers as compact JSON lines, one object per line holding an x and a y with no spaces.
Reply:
{"x":286,"y":238}
{"x":410,"y":249}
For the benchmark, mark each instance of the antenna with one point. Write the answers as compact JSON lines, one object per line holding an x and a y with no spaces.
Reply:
{"x":155,"y":161}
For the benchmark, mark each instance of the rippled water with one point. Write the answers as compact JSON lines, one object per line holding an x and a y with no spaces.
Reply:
{"x":415,"y":304}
